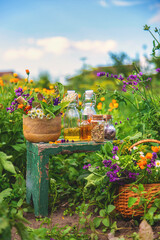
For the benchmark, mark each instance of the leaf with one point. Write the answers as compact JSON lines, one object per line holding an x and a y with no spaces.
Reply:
{"x":106,"y":221}
{"x":5,"y":193}
{"x":7,"y":165}
{"x":110,"y":208}
{"x":97,"y":222}
{"x":60,"y":88}
{"x":102,"y":212}
{"x":141,"y":187}
{"x":136,"y":136}
{"x":131,"y":201}
{"x":152,"y":210}
{"x":20,"y":202}
{"x":19,"y":147}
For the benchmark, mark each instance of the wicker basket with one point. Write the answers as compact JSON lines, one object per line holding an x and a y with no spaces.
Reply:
{"x":125,"y":192}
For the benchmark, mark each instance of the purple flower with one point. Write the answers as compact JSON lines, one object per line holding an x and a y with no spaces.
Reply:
{"x":154,"y":155}
{"x":128,"y":119}
{"x":158,"y":69}
{"x":120,"y":121}
{"x":107,"y":163}
{"x":112,"y":75}
{"x":19,"y":91}
{"x":112,"y":176}
{"x":56,"y":101}
{"x":121,"y":78}
{"x":140,"y":73}
{"x":30,"y":101}
{"x":100,"y":74}
{"x":115,"y":168}
{"x":115,"y":76}
{"x":86,"y":166}
{"x":115,"y":123}
{"x":107,"y":75}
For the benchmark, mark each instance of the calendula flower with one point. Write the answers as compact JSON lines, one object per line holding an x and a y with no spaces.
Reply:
{"x":1,"y":83}
{"x":99,"y":106}
{"x":115,"y":105}
{"x":20,"y":106}
{"x":155,"y":149}
{"x":80,"y":103}
{"x":79,"y":95}
{"x":102,"y":99}
{"x":114,"y":101}
{"x":27,"y":72}
{"x":26,"y":80}
{"x":44,"y":100}
{"x":149,"y":155}
{"x":51,"y":87}
{"x":31,"y":81}
{"x":15,"y":75}
{"x":36,"y":89}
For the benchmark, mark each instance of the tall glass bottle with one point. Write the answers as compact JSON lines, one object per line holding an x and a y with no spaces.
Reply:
{"x":89,"y":102}
{"x":72,"y":120}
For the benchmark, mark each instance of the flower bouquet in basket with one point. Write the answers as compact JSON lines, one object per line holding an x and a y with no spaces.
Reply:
{"x":132,"y":172}
{"x":41,"y":110}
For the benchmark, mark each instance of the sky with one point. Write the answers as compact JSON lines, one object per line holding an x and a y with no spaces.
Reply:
{"x":54,"y":35}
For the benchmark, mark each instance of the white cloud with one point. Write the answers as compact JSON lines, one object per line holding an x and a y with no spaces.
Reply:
{"x":28,"y":53}
{"x":57,"y":45}
{"x":95,"y":46}
{"x":103,"y":3}
{"x":125,"y":3}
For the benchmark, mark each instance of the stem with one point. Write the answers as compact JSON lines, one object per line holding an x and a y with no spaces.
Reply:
{"x":154,"y":36}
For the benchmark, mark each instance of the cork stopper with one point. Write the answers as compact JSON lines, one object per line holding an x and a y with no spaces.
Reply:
{"x":98,"y":117}
{"x":20,"y":100}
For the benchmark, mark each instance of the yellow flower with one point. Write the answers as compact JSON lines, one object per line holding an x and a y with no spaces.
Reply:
{"x":111,"y":105}
{"x":115,"y":105}
{"x":26,"y":79}
{"x":80,"y":103}
{"x":114,"y":101}
{"x":15,"y":80}
{"x":99,"y":106}
{"x":51,"y":142}
{"x":15,"y":75}
{"x":36,"y":89}
{"x":20,"y":106}
{"x":102,"y":99}
{"x":79,"y":95}
{"x":11,"y":80}
{"x":44,"y":100}
{"x":31,"y":81}
{"x":24,"y":88}
{"x":51,"y":87}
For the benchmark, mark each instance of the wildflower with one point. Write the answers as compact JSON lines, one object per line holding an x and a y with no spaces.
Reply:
{"x":102,"y":99}
{"x":20,"y":106}
{"x":112,"y":176}
{"x":157,"y":162}
{"x":100,"y":74}
{"x":56,"y":101}
{"x":107,"y":163}
{"x":36,"y":89}
{"x":80,"y":103}
{"x":99,"y":106}
{"x":116,"y":123}
{"x":51,"y":142}
{"x":15,"y":80}
{"x":155,"y":149}
{"x":51,"y":87}
{"x":1,"y":83}
{"x":120,"y":122}
{"x":48,"y":116}
{"x":158,"y":69}
{"x":26,"y":79}
{"x":149,"y":155}
{"x":79,"y":95}
{"x":24,"y":88}
{"x":115,"y":105}
{"x":44,"y":100}
{"x":134,"y":148}
{"x":27,"y":72}
{"x":128,"y":119}
{"x":114,"y":101}
{"x":15,"y":75}
{"x":31,"y":81}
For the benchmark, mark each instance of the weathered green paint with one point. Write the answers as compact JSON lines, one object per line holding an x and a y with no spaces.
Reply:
{"x":37,"y":181}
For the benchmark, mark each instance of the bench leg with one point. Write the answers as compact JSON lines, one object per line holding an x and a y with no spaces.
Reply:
{"x":37,"y":182}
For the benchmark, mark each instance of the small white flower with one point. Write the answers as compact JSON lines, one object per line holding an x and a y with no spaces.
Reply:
{"x":48,"y":116}
{"x":116,"y":157}
{"x":134,"y":148}
{"x":33,"y":116}
{"x":157,"y":162}
{"x":40,"y":115}
{"x":141,"y":154}
{"x":39,"y":111}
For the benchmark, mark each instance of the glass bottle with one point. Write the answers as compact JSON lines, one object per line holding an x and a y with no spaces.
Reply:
{"x":72,"y":120}
{"x":109,"y":129}
{"x":97,"y":128}
{"x":89,"y":102}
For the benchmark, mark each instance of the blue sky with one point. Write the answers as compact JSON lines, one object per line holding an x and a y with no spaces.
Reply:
{"x":53,"y":35}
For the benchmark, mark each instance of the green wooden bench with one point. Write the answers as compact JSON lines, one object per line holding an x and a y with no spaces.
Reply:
{"x":37,"y":179}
